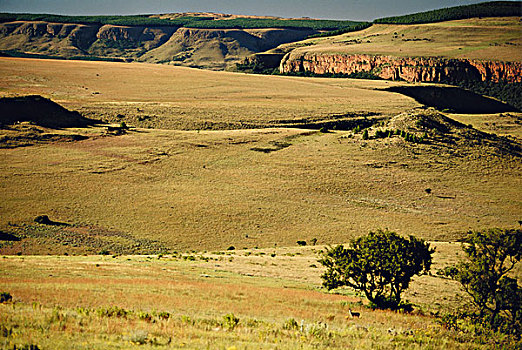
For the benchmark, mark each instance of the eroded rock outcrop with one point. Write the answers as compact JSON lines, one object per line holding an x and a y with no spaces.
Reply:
{"x":412,"y":69}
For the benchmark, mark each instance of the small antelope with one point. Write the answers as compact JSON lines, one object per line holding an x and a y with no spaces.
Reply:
{"x":353,"y":314}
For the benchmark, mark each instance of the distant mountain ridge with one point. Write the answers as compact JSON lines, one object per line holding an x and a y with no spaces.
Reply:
{"x":205,"y":48}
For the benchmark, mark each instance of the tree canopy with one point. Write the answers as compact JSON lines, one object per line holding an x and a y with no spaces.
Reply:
{"x":491,"y":255}
{"x":380,"y":264}
{"x":484,"y":9}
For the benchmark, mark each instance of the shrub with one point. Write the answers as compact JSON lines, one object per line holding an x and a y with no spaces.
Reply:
{"x":113,"y":311}
{"x":164,"y":315}
{"x":365,"y":135}
{"x":380,"y":264}
{"x":230,"y":321}
{"x":139,"y":337}
{"x":290,"y":324}
{"x":143,"y":315}
{"x":491,"y":256}
{"x":5,"y":297}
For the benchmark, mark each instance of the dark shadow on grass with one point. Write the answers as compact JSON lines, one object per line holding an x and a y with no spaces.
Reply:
{"x":453,"y":99}
{"x":44,"y":220}
{"x":40,"y":111}
{"x":4,"y":236}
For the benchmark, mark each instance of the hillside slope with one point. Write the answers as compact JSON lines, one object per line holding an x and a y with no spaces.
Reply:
{"x":425,"y":52}
{"x":207,"y":48}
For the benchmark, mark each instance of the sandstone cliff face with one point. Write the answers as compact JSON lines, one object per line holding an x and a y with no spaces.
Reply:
{"x":412,"y":69}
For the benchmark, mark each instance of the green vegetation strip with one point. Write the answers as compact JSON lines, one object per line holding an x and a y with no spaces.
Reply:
{"x":485,"y":9}
{"x":188,"y":21}
{"x":136,"y":20}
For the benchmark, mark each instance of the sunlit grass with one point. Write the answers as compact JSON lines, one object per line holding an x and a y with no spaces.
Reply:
{"x":122,"y":302}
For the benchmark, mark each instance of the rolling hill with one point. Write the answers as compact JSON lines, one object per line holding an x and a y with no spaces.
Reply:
{"x":249,"y":167}
{"x":196,"y":218}
{"x":199,"y":40}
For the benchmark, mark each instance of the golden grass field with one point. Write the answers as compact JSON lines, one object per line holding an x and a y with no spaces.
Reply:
{"x":184,"y":98}
{"x":211,"y":189}
{"x":175,"y":302}
{"x":497,"y":39}
{"x":196,"y":177}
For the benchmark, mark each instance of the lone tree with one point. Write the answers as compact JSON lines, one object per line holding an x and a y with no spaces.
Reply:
{"x":491,"y":255}
{"x":380,"y":265}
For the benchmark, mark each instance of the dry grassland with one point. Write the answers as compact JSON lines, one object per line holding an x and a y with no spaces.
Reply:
{"x":213,"y":189}
{"x":161,"y":96}
{"x":64,"y":302}
{"x":160,"y":190}
{"x":485,"y":38}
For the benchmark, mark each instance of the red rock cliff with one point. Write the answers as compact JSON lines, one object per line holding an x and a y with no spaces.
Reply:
{"x":413,"y":69}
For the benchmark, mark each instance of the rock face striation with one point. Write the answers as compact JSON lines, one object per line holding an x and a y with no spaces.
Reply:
{"x":412,"y":69}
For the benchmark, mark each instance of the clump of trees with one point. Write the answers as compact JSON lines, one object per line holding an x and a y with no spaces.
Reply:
{"x":380,"y":265}
{"x":275,"y":23}
{"x":190,"y":21}
{"x":133,"y":20}
{"x":496,"y":297}
{"x":353,"y":28}
{"x":485,"y":9}
{"x":382,"y":134}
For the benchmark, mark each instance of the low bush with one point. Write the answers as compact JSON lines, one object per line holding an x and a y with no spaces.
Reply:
{"x":230,"y":321}
{"x":290,"y":324}
{"x":5,"y":297}
{"x":113,"y":311}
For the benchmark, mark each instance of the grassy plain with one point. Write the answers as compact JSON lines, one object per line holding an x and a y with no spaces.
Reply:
{"x":486,"y":38}
{"x":171,"y":186}
{"x":210,"y":189}
{"x":162,"y":96}
{"x":179,"y":301}
{"x":213,"y":189}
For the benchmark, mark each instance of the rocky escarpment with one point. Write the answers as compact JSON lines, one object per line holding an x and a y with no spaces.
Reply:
{"x":219,"y":48}
{"x":412,"y":69}
{"x":208,"y":48}
{"x":49,"y":38}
